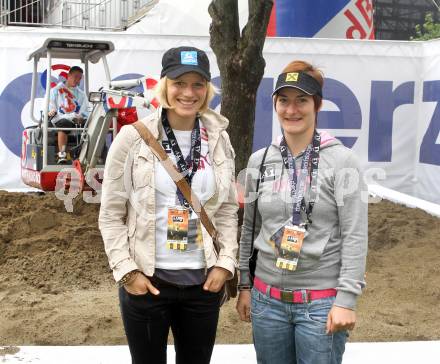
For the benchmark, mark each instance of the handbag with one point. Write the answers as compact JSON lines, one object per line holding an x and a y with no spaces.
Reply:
{"x":254,"y":251}
{"x":181,"y":183}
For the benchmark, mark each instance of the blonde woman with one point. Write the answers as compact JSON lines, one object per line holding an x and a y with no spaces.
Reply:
{"x":163,"y":259}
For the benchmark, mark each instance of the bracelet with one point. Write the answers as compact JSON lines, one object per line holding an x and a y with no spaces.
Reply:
{"x":128,"y":278}
{"x":244,"y":287}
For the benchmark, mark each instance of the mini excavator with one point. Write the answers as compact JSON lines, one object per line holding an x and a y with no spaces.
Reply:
{"x":114,"y":105}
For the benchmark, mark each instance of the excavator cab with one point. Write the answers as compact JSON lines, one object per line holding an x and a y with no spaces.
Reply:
{"x":110,"y":107}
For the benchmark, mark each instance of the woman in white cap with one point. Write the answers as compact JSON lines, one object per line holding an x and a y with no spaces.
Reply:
{"x":306,"y":232}
{"x":164,"y":260}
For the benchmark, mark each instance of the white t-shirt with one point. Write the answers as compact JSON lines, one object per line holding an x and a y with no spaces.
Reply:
{"x":203,"y":185}
{"x":68,"y":102}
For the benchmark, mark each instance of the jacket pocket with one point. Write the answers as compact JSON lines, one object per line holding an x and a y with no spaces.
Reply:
{"x":142,"y":179}
{"x":142,"y":175}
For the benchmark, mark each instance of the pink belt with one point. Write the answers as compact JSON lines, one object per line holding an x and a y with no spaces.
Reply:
{"x":286,"y":295}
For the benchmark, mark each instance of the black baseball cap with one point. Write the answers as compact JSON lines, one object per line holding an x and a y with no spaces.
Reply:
{"x":299,"y":80}
{"x":177,"y":61}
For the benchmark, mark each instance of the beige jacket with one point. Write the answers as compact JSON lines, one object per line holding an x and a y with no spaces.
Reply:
{"x":127,"y":215}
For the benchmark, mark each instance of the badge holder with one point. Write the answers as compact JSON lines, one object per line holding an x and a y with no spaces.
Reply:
{"x":290,"y":247}
{"x":177,"y":230}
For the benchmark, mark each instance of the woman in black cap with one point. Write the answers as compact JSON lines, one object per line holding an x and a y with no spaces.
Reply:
{"x":163,"y":258}
{"x":310,"y":228}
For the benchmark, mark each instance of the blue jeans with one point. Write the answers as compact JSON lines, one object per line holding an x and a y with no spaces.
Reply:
{"x":292,"y":333}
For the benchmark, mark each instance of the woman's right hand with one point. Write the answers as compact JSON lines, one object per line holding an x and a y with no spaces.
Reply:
{"x":140,"y":285}
{"x":244,"y":305}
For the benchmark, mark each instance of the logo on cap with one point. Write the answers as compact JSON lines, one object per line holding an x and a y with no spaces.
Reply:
{"x":292,"y":77}
{"x":188,"y":58}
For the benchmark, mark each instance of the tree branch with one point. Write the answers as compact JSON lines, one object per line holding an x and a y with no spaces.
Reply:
{"x":254,"y":33}
{"x":241,"y":64}
{"x":224,"y":29}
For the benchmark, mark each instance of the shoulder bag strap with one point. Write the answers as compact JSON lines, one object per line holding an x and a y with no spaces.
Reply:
{"x":178,"y":179}
{"x":256,"y":201}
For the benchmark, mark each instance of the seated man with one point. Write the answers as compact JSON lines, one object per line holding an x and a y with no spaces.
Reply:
{"x":67,"y":108}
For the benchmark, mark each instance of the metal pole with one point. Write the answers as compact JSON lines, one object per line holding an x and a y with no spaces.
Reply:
{"x":101,"y":16}
{"x":62,"y":14}
{"x":115,"y":126}
{"x":86,"y":78}
{"x":46,"y":107}
{"x":84,"y":16}
{"x":34,"y":86}
{"x":124,"y":17}
{"x":3,"y":10}
{"x":106,"y":69}
{"x":435,"y":4}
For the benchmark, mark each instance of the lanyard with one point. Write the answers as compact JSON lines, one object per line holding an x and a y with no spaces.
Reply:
{"x":309,"y":168}
{"x":187,"y":166}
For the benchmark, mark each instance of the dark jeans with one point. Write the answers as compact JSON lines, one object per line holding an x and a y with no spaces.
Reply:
{"x":191,"y":312}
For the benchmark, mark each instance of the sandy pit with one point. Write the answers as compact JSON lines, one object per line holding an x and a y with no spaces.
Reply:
{"x":56,"y":287}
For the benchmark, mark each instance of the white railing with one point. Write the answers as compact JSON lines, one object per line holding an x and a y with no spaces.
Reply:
{"x":110,"y":15}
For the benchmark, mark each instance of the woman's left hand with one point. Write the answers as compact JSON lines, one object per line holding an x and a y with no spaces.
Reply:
{"x":339,"y":319}
{"x":216,"y":279}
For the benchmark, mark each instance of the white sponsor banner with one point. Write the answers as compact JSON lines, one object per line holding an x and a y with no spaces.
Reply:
{"x":381,"y":97}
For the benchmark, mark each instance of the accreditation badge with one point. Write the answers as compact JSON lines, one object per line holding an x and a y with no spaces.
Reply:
{"x":290,"y":247}
{"x":177,"y":230}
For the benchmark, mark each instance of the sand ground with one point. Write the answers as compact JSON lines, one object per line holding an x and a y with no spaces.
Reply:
{"x":56,"y":287}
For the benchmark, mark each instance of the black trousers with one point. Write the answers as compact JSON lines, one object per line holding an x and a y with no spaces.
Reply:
{"x":191,"y":312}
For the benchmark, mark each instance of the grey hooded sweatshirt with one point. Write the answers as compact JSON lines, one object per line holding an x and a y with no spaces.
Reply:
{"x":334,"y":250}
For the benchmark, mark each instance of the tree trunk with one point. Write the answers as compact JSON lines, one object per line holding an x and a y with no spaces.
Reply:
{"x":241,"y":63}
